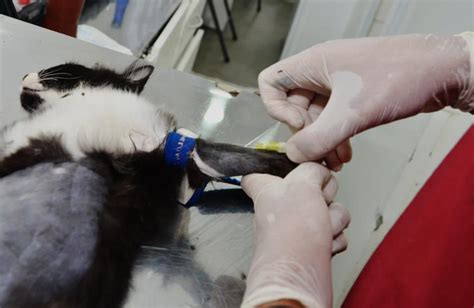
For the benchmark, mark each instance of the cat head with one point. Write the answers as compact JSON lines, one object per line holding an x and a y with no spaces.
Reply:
{"x":49,"y":86}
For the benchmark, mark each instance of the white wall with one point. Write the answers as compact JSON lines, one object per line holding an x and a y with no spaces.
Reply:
{"x":220,"y":12}
{"x":442,"y":17}
{"x":317,"y":21}
{"x":424,"y":16}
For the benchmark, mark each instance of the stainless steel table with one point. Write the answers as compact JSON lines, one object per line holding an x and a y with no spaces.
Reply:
{"x":209,"y":269}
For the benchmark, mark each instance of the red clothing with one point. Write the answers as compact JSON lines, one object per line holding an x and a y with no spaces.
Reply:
{"x":427,"y":259}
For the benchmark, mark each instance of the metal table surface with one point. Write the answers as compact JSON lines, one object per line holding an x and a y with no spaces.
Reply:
{"x":143,"y":19}
{"x":210,"y":268}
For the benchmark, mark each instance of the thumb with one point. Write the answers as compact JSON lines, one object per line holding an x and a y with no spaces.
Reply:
{"x":254,"y":184}
{"x":336,"y":123}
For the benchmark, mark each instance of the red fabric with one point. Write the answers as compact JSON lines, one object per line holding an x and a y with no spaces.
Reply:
{"x":427,"y":259}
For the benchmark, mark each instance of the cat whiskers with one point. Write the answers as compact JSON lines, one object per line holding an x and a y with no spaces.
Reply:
{"x":64,"y":78}
{"x":47,"y":74}
{"x":57,"y":76}
{"x":51,"y":72}
{"x":47,"y":79}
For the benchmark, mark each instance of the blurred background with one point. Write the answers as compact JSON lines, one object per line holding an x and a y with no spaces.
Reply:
{"x":233,"y":40}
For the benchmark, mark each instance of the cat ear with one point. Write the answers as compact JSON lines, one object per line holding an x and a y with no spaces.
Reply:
{"x":139,"y":76}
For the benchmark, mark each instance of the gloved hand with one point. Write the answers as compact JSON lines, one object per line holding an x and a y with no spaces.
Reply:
{"x":296,"y":233}
{"x":337,"y":89}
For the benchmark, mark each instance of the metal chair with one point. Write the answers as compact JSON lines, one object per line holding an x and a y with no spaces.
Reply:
{"x":212,"y":8}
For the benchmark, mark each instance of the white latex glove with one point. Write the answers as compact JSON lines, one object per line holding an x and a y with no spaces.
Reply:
{"x":296,"y":233}
{"x":335,"y":90}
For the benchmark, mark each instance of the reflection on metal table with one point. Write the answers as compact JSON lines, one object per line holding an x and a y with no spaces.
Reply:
{"x":209,"y":268}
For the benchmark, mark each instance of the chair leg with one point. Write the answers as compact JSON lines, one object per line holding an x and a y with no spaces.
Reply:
{"x":231,"y":20}
{"x":218,"y":29}
{"x":259,"y":6}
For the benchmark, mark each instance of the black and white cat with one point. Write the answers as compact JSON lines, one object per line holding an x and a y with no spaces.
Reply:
{"x":95,"y":114}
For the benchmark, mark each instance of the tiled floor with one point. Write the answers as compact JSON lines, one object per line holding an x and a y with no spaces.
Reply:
{"x":261,"y":40}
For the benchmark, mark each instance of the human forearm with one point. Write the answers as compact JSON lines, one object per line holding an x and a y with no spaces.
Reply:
{"x":466,"y":96}
{"x":302,"y":278}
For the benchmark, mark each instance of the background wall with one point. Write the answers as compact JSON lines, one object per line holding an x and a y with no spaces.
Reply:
{"x":317,"y":21}
{"x":220,"y":12}
{"x":423,"y":16}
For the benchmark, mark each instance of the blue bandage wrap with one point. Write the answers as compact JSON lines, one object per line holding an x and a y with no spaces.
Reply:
{"x":232,"y":181}
{"x":178,"y":149}
{"x":195,"y":197}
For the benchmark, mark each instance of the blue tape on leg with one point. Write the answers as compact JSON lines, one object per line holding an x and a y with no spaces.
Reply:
{"x":178,"y":149}
{"x":230,"y":180}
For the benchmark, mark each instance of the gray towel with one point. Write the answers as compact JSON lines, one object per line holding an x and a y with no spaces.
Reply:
{"x":48,"y":230}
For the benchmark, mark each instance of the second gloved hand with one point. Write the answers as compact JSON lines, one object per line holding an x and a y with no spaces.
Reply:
{"x":296,"y":234}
